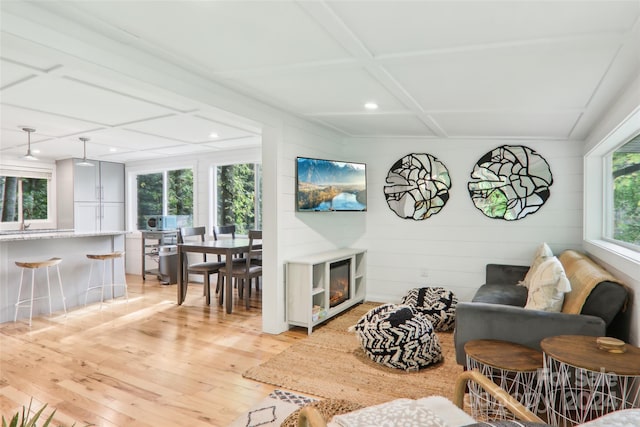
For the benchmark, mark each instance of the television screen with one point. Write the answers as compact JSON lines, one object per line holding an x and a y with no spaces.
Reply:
{"x":330,"y":185}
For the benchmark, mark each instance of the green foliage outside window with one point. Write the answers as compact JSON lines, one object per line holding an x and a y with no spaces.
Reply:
{"x":626,"y":193}
{"x":237,"y":195}
{"x":180,"y":192}
{"x":149,"y":197}
{"x":34,"y":198}
{"x":179,"y":200}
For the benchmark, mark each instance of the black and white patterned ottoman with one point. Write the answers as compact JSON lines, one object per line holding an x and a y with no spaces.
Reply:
{"x":398,"y":336}
{"x":436,"y":303}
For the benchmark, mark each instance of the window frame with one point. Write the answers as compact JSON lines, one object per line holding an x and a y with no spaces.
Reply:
{"x":42,"y":172}
{"x":213,"y":189}
{"x":597,"y":171}
{"x":132,"y":187}
{"x":608,"y":200}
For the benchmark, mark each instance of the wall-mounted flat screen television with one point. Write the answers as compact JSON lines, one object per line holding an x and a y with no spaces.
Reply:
{"x":330,"y":185}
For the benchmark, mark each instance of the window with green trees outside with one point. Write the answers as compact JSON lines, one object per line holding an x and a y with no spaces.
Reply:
{"x":239,"y":196}
{"x":165,"y":193}
{"x":34,"y":193}
{"x":625,"y":174}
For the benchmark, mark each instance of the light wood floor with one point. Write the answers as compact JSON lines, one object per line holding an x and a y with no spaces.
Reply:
{"x":146,"y":362}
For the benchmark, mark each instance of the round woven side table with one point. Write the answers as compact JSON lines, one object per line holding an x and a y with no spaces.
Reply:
{"x":584,"y":382}
{"x":511,"y":366}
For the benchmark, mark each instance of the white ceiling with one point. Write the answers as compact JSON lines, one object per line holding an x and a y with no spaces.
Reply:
{"x":437,"y":69}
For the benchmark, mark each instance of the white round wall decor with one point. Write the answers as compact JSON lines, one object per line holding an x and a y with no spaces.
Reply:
{"x":510,"y":182}
{"x":417,"y":186}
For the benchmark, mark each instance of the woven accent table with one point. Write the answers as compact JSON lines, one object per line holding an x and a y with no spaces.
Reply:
{"x":511,"y":366}
{"x":584,"y":382}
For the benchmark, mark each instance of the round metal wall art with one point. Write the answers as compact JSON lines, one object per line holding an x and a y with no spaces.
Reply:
{"x":510,"y":182}
{"x":417,"y":186}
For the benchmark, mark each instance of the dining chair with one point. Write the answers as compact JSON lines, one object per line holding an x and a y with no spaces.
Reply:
{"x":257,"y":260}
{"x":246,"y":271}
{"x":220,"y":231}
{"x":224,"y":230}
{"x":205,"y":268}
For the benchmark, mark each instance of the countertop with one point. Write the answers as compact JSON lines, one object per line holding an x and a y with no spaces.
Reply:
{"x":12,"y":236}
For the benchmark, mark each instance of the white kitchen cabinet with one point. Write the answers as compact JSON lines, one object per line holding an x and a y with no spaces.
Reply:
{"x":86,"y":216}
{"x":112,"y":216}
{"x":86,"y":182}
{"x":112,"y":182}
{"x":90,"y":198}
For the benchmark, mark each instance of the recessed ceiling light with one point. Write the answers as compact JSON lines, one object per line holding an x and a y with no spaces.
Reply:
{"x":371,"y":106}
{"x":213,"y":135}
{"x":113,"y":149}
{"x":35,"y":151}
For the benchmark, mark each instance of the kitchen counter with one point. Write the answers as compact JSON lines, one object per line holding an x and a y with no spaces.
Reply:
{"x":38,"y":245}
{"x":14,"y":235}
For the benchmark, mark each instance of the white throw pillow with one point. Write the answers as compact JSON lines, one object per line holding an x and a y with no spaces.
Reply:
{"x":548,"y":285}
{"x":542,"y":254}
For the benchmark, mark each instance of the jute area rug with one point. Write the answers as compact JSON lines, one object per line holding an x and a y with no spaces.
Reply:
{"x":331,"y":364}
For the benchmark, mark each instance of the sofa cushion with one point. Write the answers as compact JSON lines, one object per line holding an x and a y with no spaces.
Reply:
{"x":606,"y":301}
{"x":502,"y":274}
{"x":547,"y":287}
{"x":501,"y":294}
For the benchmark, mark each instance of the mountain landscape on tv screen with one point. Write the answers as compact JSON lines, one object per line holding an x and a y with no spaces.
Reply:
{"x":325,"y":185}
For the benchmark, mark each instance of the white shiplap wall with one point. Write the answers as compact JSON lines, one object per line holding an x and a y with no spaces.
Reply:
{"x":287,"y":233}
{"x":309,"y":232}
{"x":452,"y":247}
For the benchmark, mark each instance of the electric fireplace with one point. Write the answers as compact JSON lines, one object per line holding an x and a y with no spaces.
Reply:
{"x":339,"y":279}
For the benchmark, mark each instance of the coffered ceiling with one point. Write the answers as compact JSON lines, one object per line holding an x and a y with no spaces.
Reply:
{"x":436,"y":69}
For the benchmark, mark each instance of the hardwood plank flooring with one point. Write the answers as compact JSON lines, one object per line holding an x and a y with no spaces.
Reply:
{"x":145,"y":362}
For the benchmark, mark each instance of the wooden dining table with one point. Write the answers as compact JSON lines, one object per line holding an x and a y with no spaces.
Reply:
{"x":226,"y":247}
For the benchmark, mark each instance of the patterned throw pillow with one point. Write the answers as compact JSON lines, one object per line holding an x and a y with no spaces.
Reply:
{"x":398,"y":336}
{"x":548,"y":285}
{"x":542,"y":254}
{"x":436,"y":304}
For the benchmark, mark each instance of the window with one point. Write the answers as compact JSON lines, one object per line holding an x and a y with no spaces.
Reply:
{"x":239,"y":196}
{"x":165,"y":193}
{"x":25,"y":195}
{"x":624,"y":213}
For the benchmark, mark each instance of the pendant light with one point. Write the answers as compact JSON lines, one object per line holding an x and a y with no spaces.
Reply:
{"x":29,"y":156}
{"x":84,"y":161}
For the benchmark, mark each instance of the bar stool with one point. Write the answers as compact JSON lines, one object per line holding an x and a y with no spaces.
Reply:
{"x":33,"y":266}
{"x":111,"y":256}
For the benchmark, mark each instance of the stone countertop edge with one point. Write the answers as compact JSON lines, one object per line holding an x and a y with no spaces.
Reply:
{"x":57,"y":235}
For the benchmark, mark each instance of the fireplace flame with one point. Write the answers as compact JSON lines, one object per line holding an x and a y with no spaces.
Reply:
{"x":338,"y":291}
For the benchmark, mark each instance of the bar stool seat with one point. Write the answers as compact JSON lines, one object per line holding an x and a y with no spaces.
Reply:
{"x":106,"y":257}
{"x":33,"y":266}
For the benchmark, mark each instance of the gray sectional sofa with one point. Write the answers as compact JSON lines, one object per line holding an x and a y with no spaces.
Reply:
{"x":496,"y":312}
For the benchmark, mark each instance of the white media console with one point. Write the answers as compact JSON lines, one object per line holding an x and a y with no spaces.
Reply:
{"x":311,"y":297}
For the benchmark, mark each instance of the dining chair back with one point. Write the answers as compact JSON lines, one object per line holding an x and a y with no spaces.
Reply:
{"x":204,"y":268}
{"x":223,"y":230}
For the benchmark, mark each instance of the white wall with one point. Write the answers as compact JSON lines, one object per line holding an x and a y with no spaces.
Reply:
{"x":453,"y":246}
{"x":301,"y":233}
{"x":309,"y":232}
